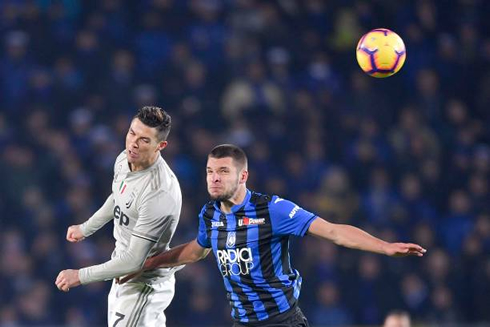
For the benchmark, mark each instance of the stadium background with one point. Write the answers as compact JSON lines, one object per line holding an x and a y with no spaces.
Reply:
{"x":406,"y":158}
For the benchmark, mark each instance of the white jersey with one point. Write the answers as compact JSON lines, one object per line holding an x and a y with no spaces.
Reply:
{"x":147,"y":204}
{"x":145,"y":208}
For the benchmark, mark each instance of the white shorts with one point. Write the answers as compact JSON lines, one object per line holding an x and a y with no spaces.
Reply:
{"x":139,"y":304}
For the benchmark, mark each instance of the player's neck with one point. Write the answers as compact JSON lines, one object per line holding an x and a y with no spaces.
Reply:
{"x":142,"y":165}
{"x":238,"y":198}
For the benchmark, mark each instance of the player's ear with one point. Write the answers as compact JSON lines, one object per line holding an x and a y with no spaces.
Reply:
{"x":162,"y":145}
{"x":243,"y":176}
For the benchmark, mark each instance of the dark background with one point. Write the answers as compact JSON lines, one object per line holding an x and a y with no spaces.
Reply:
{"x":406,"y":158}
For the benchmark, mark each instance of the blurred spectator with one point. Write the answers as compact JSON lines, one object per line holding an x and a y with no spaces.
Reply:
{"x":397,"y":319}
{"x":255,"y":95}
{"x":336,"y":201}
{"x":329,"y":310}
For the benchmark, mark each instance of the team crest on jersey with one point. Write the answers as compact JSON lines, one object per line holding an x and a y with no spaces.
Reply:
{"x":231,"y":239}
{"x":245,"y":221}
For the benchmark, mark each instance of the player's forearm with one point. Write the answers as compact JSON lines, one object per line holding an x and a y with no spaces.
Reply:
{"x":99,"y":218}
{"x":124,"y":263}
{"x":179,"y":255}
{"x":116,"y":267}
{"x":355,"y":238}
{"x":348,"y":236}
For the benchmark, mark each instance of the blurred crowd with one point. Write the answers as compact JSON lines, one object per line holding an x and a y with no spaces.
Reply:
{"x":406,"y":158}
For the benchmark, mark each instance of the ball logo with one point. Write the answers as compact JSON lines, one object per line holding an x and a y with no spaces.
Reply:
{"x":235,"y":262}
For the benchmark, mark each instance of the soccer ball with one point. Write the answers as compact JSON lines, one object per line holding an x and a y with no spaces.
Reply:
{"x":381,"y":53}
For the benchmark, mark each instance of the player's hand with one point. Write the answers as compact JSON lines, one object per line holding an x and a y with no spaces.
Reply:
{"x":74,"y":234}
{"x":403,"y":249}
{"x":67,"y":279}
{"x":122,"y":280}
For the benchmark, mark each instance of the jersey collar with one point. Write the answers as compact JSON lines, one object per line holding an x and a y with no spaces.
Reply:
{"x":147,"y":168}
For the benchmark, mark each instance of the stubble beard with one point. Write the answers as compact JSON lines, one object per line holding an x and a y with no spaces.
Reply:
{"x":225,"y":196}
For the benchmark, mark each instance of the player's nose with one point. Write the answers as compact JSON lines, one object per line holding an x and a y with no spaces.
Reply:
{"x":215,"y":178}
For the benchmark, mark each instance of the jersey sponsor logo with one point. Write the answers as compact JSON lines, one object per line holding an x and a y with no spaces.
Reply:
{"x":245,"y":221}
{"x":217,"y":224}
{"x":235,"y":262}
{"x":294,"y":211}
{"x":121,"y":216}
{"x":231,"y":239}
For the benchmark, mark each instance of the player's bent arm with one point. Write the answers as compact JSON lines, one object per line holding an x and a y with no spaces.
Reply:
{"x":124,"y":263}
{"x":99,"y":218}
{"x":179,"y":255}
{"x":355,"y":238}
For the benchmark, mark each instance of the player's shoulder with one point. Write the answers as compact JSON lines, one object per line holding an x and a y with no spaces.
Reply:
{"x":162,"y":169}
{"x":257,"y":198}
{"x":275,"y":204}
{"x":207,"y":210}
{"x":266,"y":199}
{"x":162,"y":177}
{"x":120,"y":160}
{"x":278,"y":203}
{"x":121,"y":157}
{"x":210,"y":205}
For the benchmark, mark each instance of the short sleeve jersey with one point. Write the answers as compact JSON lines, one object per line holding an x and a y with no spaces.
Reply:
{"x":251,"y":246}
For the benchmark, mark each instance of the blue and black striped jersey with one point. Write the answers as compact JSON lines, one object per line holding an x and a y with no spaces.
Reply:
{"x":251,"y":246}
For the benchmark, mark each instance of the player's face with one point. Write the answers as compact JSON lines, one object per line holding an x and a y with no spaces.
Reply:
{"x":223,"y":178}
{"x":142,"y":145}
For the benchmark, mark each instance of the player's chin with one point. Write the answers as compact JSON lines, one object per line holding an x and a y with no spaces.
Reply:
{"x":216,"y":196}
{"x":132,"y":159}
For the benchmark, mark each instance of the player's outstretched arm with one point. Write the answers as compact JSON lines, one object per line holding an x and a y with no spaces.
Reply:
{"x":355,"y":238}
{"x":179,"y":255}
{"x":126,"y":262}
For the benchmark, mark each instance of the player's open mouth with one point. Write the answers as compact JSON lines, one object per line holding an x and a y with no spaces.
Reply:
{"x":132,"y":154}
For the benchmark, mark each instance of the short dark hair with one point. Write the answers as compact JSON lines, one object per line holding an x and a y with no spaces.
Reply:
{"x":230,"y":150}
{"x":156,"y":117}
